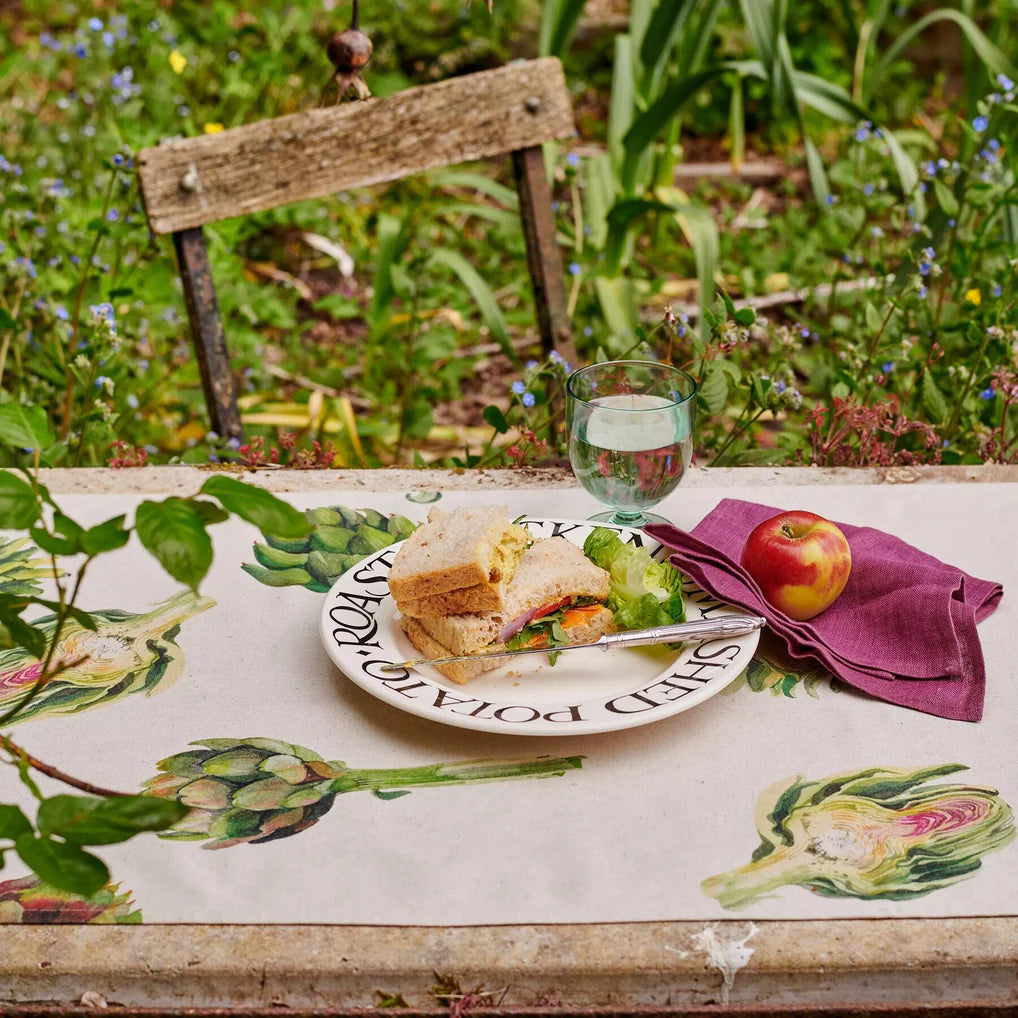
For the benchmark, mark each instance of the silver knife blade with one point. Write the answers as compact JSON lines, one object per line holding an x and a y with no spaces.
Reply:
{"x":702,"y":629}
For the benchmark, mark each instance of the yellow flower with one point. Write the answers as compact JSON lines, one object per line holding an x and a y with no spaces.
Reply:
{"x":973,"y":297}
{"x":178,"y":61}
{"x":213,"y":128}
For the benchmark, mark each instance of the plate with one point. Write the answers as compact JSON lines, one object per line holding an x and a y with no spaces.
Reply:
{"x":585,"y":692}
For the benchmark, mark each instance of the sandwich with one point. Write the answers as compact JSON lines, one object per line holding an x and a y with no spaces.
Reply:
{"x":556,"y":597}
{"x":456,"y":562}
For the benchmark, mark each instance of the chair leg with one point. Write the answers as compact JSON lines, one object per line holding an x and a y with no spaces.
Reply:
{"x":543,"y":256}
{"x":207,"y":332}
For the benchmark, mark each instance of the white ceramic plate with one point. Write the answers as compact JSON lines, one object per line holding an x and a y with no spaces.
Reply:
{"x":586,"y":691}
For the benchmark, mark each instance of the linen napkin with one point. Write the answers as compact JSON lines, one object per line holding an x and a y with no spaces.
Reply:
{"x":903,"y":629}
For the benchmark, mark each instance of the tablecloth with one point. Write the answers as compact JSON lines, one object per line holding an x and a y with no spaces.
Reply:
{"x":783,"y":797}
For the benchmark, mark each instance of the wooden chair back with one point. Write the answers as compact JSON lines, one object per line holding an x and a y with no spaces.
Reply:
{"x":187,"y":183}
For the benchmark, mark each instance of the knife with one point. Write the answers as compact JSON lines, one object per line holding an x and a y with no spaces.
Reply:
{"x":702,"y":629}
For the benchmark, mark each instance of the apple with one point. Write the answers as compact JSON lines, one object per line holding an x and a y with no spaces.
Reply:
{"x":800,"y":560}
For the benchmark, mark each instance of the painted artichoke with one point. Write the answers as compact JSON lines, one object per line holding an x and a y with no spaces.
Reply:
{"x":22,"y":565}
{"x":341,"y":537}
{"x":879,"y":833}
{"x":258,"y":790}
{"x":29,"y":900}
{"x":127,"y":653}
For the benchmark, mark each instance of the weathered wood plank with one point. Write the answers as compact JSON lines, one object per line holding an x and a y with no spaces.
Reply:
{"x":193,"y":181}
{"x":543,"y":257}
{"x":207,"y":332}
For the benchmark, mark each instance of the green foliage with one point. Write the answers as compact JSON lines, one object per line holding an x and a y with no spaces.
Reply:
{"x":354,"y":321}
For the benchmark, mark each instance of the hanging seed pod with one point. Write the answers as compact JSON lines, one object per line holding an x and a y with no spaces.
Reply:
{"x":349,"y":51}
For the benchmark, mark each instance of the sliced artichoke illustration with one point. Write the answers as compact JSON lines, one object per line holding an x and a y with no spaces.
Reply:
{"x":258,"y":790}
{"x":341,"y":537}
{"x":879,"y":833}
{"x":22,"y":566}
{"x":28,"y":901}
{"x":127,"y":653}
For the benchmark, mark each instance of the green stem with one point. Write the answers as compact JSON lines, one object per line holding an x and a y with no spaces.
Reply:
{"x":394,"y":778}
{"x":739,"y":430}
{"x":740,"y":887}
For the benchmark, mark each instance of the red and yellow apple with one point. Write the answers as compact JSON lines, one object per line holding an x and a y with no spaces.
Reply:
{"x":800,"y":561}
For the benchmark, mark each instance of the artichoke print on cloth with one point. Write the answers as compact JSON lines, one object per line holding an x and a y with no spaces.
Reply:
{"x":341,"y":537}
{"x":879,"y":833}
{"x":22,"y":565}
{"x":126,"y":653}
{"x":28,"y":900}
{"x":257,"y":790}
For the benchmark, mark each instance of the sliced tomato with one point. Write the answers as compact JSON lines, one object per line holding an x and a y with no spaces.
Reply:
{"x":548,"y":609}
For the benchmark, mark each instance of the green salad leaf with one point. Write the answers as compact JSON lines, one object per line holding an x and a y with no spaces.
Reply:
{"x":643,"y":592}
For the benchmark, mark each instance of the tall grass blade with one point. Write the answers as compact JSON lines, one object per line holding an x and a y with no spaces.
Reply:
{"x":659,"y":40}
{"x":558,"y":25}
{"x":995,"y":60}
{"x":737,"y":126}
{"x":483,"y":297}
{"x":696,"y":40}
{"x":623,"y":101}
{"x":646,"y":127}
{"x":702,"y":233}
{"x":598,"y":198}
{"x":476,"y":182}
{"x":835,"y":102}
{"x":619,"y":306}
{"x":392,"y":240}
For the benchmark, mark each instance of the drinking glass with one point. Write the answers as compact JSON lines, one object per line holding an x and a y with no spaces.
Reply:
{"x":630,"y":435}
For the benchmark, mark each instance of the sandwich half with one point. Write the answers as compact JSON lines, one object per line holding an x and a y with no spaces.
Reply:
{"x":458,"y":561}
{"x":555,"y":598}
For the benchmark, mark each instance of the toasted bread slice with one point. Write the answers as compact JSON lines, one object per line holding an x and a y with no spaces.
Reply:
{"x":470,"y":546}
{"x":483,"y":597}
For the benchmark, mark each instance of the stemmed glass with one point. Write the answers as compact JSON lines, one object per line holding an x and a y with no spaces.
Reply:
{"x":630,"y":435}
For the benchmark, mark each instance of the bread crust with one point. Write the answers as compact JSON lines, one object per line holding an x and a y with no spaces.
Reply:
{"x":460,"y":672}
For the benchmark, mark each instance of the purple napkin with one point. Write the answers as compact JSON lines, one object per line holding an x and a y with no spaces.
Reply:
{"x":903,"y":629}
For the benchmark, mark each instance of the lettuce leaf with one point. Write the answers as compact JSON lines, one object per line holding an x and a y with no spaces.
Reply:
{"x":643,"y":592}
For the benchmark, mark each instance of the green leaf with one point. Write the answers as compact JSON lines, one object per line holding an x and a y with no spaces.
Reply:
{"x":174,"y":533}
{"x":496,"y":419}
{"x":209,"y":511}
{"x":933,"y":400}
{"x":107,"y":536}
{"x":483,"y":296}
{"x":874,"y":322}
{"x":65,"y":866}
{"x":817,"y":172}
{"x":19,"y":508}
{"x":24,"y":427}
{"x":660,"y":39}
{"x":713,"y":390}
{"x":53,"y":543}
{"x":88,"y":820}
{"x":701,"y":231}
{"x":34,"y":640}
{"x":271,"y":515}
{"x":945,"y":197}
{"x":13,"y":823}
{"x":6,"y":321}
{"x":619,"y":306}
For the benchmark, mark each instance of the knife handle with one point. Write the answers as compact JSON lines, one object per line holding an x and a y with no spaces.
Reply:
{"x":702,"y":629}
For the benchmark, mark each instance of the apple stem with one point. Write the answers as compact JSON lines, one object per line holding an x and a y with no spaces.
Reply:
{"x":786,"y":529}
